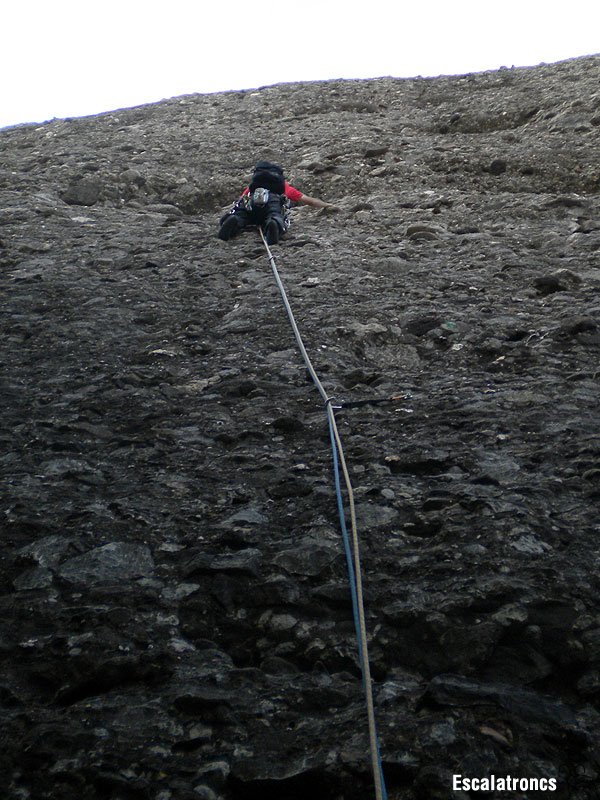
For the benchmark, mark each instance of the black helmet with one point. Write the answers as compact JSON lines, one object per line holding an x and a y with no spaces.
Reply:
{"x":268,"y":176}
{"x":267,"y":166}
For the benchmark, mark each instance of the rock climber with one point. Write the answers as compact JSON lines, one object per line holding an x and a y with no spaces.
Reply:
{"x":266,"y":202}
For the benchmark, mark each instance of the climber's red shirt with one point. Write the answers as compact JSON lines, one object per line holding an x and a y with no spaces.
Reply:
{"x":290,"y":192}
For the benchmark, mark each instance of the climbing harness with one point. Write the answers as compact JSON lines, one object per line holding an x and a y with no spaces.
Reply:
{"x":351,"y":543}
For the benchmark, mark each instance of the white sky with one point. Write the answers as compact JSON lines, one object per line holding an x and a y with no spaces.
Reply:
{"x":62,"y":58}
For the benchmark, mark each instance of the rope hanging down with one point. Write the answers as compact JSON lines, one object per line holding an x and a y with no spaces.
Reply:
{"x":351,"y":546}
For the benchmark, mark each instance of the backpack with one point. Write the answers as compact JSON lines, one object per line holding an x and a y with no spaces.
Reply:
{"x":268,"y":176}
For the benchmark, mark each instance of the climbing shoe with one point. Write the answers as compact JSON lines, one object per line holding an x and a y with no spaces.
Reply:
{"x":272,"y":232}
{"x":229,"y":228}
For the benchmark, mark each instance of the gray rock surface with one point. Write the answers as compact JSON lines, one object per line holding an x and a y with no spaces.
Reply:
{"x":175,"y":619}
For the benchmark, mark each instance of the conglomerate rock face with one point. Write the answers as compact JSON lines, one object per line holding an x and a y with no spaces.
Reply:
{"x":174,"y":606}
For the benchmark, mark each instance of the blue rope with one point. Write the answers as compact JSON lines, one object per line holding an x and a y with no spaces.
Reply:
{"x":345,"y":538}
{"x":352,"y":573}
{"x":351,"y":576}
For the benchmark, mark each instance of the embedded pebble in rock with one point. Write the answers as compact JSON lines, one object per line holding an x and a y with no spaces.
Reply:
{"x":175,"y":613}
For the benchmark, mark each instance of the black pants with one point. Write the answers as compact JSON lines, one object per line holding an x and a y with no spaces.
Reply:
{"x":260,"y":215}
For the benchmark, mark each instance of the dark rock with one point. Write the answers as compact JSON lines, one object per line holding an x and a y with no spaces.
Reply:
{"x":82,"y":193}
{"x":248,"y":516}
{"x":38,"y":578}
{"x":560,"y":281}
{"x":245,"y":562}
{"x":374,"y":516}
{"x":278,"y":666}
{"x":589,"y":684}
{"x":434,"y":783}
{"x":111,"y":563}
{"x":307,"y":559}
{"x":288,"y":424}
{"x":424,"y":231}
{"x":202,"y":699}
{"x":376,"y":150}
{"x":425,"y":464}
{"x":578,"y":324}
{"x":418,"y":326}
{"x":47,"y":552}
{"x":519,"y":704}
{"x":497,"y":166}
{"x":175,"y":610}
{"x":203,"y":792}
{"x":295,"y":778}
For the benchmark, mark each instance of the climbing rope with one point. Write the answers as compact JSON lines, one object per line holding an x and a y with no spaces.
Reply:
{"x":351,"y":543}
